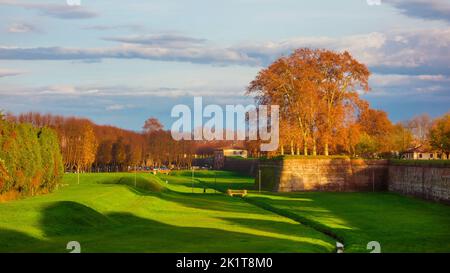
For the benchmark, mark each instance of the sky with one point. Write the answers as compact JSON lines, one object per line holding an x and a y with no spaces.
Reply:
{"x":120,"y":62}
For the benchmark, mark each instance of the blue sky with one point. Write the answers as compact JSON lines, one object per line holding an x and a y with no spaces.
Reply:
{"x":119,"y":62}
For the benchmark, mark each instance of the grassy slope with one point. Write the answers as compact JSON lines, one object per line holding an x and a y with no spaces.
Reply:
{"x":398,"y":223}
{"x":106,"y":215}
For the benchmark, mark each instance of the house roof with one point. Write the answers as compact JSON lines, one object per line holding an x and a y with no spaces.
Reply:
{"x":419,"y":149}
{"x":230,"y":148}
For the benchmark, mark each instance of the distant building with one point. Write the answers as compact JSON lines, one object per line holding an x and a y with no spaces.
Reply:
{"x":235,"y":152}
{"x":220,"y":154}
{"x":421,"y":153}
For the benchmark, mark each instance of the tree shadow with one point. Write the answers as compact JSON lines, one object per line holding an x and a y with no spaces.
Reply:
{"x":124,"y":232}
{"x":12,"y":241}
{"x":207,"y":201}
{"x":223,"y":180}
{"x":306,"y":206}
{"x":399,"y":223}
{"x":301,"y":232}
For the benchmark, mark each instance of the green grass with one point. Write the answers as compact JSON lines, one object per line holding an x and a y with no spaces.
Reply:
{"x":398,"y":223}
{"x":106,"y":213}
{"x":170,"y":213}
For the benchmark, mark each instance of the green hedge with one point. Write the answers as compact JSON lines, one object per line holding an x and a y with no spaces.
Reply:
{"x":241,"y":158}
{"x":436,"y":162}
{"x":30,"y":159}
{"x":287,"y":157}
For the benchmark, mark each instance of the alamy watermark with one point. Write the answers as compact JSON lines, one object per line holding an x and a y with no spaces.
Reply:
{"x":242,"y":123}
{"x":73,"y":2}
{"x":74,"y":246}
{"x":373,"y":2}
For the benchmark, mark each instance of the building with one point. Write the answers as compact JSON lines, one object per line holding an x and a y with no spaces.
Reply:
{"x":235,"y":152}
{"x":220,"y":154}
{"x":421,"y":153}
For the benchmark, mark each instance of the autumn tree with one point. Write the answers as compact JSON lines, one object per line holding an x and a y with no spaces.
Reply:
{"x":104,"y":154}
{"x":152,"y":125}
{"x":367,"y":146}
{"x":347,"y":138}
{"x":440,"y":134}
{"x":400,"y":138}
{"x":315,"y":89}
{"x":420,"y":127}
{"x":119,"y":153}
{"x":376,"y":124}
{"x":30,"y":158}
{"x":341,"y":76}
{"x":290,"y":83}
{"x":88,"y":147}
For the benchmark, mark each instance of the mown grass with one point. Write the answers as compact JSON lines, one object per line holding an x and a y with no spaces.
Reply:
{"x":398,"y":223}
{"x":106,"y":213}
{"x":173,"y":213}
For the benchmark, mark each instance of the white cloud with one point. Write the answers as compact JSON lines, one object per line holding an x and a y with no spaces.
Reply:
{"x":395,"y":49}
{"x":124,"y":91}
{"x":21,"y":28}
{"x":424,"y":9}
{"x":408,"y":86}
{"x":208,"y":55}
{"x":6,"y":72}
{"x":115,"y":107}
{"x":60,"y":11}
{"x":421,"y":51}
{"x":160,"y":40}
{"x":401,"y":80}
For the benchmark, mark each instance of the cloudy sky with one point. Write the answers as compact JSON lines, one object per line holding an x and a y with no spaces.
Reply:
{"x":119,"y":62}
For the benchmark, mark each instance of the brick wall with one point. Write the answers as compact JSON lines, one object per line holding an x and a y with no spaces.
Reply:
{"x":241,"y":165}
{"x":426,"y":181}
{"x":340,"y":174}
{"x":422,"y":179}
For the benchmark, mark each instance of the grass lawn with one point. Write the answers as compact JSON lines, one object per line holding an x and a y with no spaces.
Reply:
{"x":170,"y":213}
{"x":106,"y":213}
{"x":398,"y":223}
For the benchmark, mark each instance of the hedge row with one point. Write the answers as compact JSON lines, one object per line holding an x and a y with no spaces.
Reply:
{"x":30,"y":159}
{"x":431,"y":162}
{"x":288,"y":157}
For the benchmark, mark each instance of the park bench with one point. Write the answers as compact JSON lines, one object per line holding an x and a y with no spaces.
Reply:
{"x":161,"y":171}
{"x":164,"y":171}
{"x":231,"y":192}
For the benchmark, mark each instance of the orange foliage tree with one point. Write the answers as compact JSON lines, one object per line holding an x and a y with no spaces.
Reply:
{"x":316,"y":91}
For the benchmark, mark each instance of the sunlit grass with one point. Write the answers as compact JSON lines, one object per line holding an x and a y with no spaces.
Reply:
{"x":106,"y":213}
{"x":398,"y":223}
{"x":175,"y":213}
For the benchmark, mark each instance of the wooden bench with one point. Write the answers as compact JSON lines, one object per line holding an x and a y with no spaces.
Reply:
{"x":161,"y":171}
{"x":236,"y":192}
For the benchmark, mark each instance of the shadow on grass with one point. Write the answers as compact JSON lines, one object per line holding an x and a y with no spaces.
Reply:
{"x":301,"y":232}
{"x":123,"y":232}
{"x":221,"y":180}
{"x":145,"y":183}
{"x":399,"y":223}
{"x":206,"y":201}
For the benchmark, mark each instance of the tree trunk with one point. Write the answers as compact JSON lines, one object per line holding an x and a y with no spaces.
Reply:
{"x":314,"y":152}
{"x":326,"y":149}
{"x":292,"y":147}
{"x":305,"y":147}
